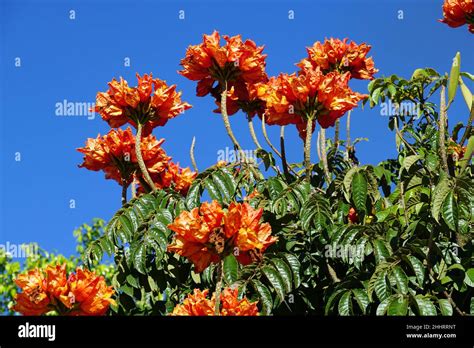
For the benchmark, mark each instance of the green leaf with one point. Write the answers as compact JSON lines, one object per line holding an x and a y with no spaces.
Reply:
{"x":295,"y":268}
{"x":425,"y":306}
{"x":194,"y":195}
{"x":285,"y":272}
{"x":409,"y":161}
{"x":418,"y":268}
{"x":398,"y":306}
{"x":362,"y":299}
{"x":334,"y":297}
{"x":345,"y":304}
{"x":439,"y":194}
{"x":275,"y":280}
{"x":139,"y":258}
{"x":382,"y":307}
{"x":213,"y":190}
{"x":231,"y":269}
{"x":450,"y":211}
{"x":401,"y":279}
{"x":445,"y":307}
{"x":359,"y":191}
{"x":454,"y":78}
{"x":382,"y":286}
{"x":469,"y":278}
{"x":265,"y":296}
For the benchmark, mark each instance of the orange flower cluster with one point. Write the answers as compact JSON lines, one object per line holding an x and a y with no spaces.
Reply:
{"x":237,"y":65}
{"x":114,"y":153}
{"x":207,"y":234}
{"x":151,"y":103}
{"x":198,"y":304}
{"x":83,"y":293}
{"x":459,"y":12}
{"x":320,"y":91}
{"x":338,"y":55}
{"x":291,"y":99}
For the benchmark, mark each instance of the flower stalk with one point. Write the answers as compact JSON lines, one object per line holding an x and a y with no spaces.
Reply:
{"x":307,"y":146}
{"x":140,"y":161}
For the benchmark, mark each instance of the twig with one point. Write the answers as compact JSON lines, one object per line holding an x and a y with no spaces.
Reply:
{"x":267,"y":139}
{"x":140,"y":161}
{"x":307,"y":147}
{"x":252,"y":132}
{"x":467,"y":132}
{"x":324,"y":155}
{"x":455,"y":306}
{"x":191,"y":154}
{"x":225,"y":118}
{"x":400,"y":135}
{"x":283,"y":152}
{"x":124,"y":191}
{"x":318,"y":148}
{"x":442,"y":130}
{"x":402,"y":200}
{"x":336,"y":133}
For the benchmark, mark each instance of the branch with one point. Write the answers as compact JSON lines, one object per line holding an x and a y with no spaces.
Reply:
{"x":265,"y":135}
{"x":442,"y":130}
{"x":225,"y":118}
{"x":140,"y":161}
{"x":191,"y":154}
{"x":324,"y":155}
{"x":252,"y":132}
{"x":307,"y":147}
{"x":283,"y":152}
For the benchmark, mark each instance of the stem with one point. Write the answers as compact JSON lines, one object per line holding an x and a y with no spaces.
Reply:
{"x":134,"y":189}
{"x":400,"y":135}
{"x":467,"y":132}
{"x":225,"y":118}
{"x":324,"y":155}
{"x":402,"y":201}
{"x":455,"y":306}
{"x":307,"y":147}
{"x":141,"y":163}
{"x":283,"y":152}
{"x":442,"y":130}
{"x":191,"y":154}
{"x":336,"y":133}
{"x":318,"y":148}
{"x":348,"y":133}
{"x":124,"y":191}
{"x":265,"y":135}
{"x":252,"y":132}
{"x":220,"y":278}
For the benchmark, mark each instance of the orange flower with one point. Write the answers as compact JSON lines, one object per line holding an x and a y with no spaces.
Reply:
{"x":34,"y":299}
{"x":232,"y":306}
{"x":207,"y":234}
{"x":252,"y":238}
{"x":172,"y":175}
{"x":114,"y":153}
{"x":56,"y":280}
{"x":151,"y":103}
{"x":458,"y":12}
{"x":209,"y":61}
{"x":338,"y":55}
{"x":82,"y":293}
{"x":197,"y":304}
{"x":88,"y":294}
{"x":291,"y":99}
{"x":238,"y":64}
{"x":199,"y":235}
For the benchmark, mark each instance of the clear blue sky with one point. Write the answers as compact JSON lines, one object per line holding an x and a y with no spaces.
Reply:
{"x":74,"y":59}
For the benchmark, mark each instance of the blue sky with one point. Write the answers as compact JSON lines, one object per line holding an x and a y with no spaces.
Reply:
{"x":65,"y":59}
